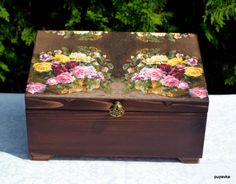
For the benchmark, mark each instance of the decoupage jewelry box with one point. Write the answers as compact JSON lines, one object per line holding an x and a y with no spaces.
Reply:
{"x":116,"y":94}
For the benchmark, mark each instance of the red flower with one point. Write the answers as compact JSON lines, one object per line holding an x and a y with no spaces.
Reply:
{"x":71,"y":64}
{"x":178,"y":74}
{"x":58,"y":68}
{"x":165,"y":67}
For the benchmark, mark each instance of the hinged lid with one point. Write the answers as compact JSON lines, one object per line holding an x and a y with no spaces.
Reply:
{"x":89,"y":70}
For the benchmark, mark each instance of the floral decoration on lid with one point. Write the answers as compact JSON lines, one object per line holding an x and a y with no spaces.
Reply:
{"x":62,"y":71}
{"x":172,"y":75}
{"x":156,"y":37}
{"x":81,"y":35}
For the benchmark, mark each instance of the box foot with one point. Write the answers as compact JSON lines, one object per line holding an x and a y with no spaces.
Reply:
{"x":40,"y":156}
{"x":189,"y":160}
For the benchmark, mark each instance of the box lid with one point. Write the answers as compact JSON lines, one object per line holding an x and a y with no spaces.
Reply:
{"x":89,"y":70}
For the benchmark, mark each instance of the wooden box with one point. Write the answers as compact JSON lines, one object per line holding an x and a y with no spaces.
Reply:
{"x":117,"y":94}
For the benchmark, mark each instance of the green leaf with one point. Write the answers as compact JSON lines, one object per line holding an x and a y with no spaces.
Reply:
{"x":2,"y":77}
{"x":125,"y":66}
{"x":65,"y":50}
{"x":105,"y":86}
{"x":2,"y":48}
{"x":128,"y":87}
{"x":4,"y":67}
{"x":28,"y":35}
{"x":4,"y":14}
{"x":74,"y":19}
{"x":110,"y":66}
{"x":172,"y":54}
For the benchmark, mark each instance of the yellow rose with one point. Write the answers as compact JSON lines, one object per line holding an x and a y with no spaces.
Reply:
{"x":42,"y":67}
{"x":157,"y":59}
{"x":193,"y":71}
{"x":61,"y":58}
{"x":176,"y":61}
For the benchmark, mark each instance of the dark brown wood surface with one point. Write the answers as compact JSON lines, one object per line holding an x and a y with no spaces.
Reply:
{"x":95,"y":133}
{"x":134,"y":105}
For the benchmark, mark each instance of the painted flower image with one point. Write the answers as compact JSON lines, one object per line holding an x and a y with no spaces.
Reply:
{"x":81,"y":35}
{"x":35,"y":87}
{"x":172,"y":74}
{"x":200,"y":92}
{"x":192,"y":61}
{"x":170,"y":81}
{"x":157,"y":37}
{"x":81,"y":57}
{"x":52,"y":81}
{"x":149,"y":74}
{"x":65,"y":78}
{"x":183,"y":85}
{"x":61,"y":58}
{"x":45,"y":56}
{"x":81,"y":72}
{"x":176,"y":61}
{"x":157,"y":59}
{"x":63,"y":71}
{"x":193,"y":71}
{"x":42,"y":67}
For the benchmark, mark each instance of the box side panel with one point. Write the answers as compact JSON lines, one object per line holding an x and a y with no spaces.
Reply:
{"x":96,"y":133}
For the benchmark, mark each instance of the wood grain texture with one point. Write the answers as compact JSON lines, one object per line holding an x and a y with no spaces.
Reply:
{"x":136,"y":134}
{"x":134,"y":105}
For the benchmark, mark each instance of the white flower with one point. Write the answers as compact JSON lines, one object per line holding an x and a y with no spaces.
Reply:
{"x":61,"y":33}
{"x":140,"y":34}
{"x":81,"y":32}
{"x":158,"y":34}
{"x":177,"y":35}
{"x":140,"y":56}
{"x":156,"y":59}
{"x":78,"y":56}
{"x":98,"y":33}
{"x":97,"y":54}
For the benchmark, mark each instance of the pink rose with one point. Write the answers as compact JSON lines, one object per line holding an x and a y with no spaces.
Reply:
{"x":36,"y":87}
{"x":192,"y":61}
{"x":145,"y":73}
{"x":198,"y":92}
{"x":99,"y":76}
{"x":156,"y":74}
{"x":136,"y":77}
{"x":52,"y":81}
{"x":64,"y":78}
{"x":170,"y":81}
{"x":180,"y":67}
{"x":57,"y":51}
{"x":183,"y":85}
{"x":149,"y":74}
{"x":105,"y":69}
{"x":178,"y":55}
{"x":84,"y":71}
{"x":45,"y":57}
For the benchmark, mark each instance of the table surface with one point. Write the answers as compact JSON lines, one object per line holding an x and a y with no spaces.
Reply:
{"x":219,"y":156}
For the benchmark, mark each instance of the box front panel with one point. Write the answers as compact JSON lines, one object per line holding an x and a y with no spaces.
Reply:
{"x":96,"y":133}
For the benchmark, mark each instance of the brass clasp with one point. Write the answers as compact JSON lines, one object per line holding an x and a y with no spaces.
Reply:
{"x":117,"y":110}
